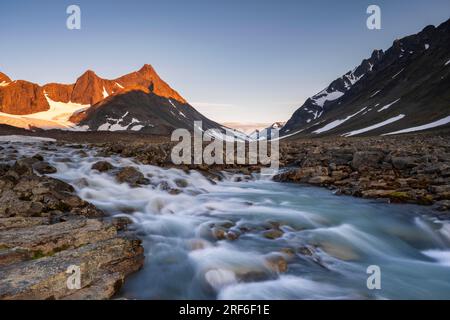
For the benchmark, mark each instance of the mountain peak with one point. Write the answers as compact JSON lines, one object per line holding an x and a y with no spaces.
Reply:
{"x":147,"y":77}
{"x":89,"y":74}
{"x":4,"y":78}
{"x":146,"y":68}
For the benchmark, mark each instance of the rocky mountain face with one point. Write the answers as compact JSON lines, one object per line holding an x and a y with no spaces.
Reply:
{"x":4,"y":80}
{"x":137,"y":101}
{"x":22,"y":97}
{"x":402,"y":89}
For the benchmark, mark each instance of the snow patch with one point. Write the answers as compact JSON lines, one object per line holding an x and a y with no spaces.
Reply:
{"x":137,"y":127}
{"x":4,"y":84}
{"x":288,"y":135}
{"x":434,"y":124}
{"x":105,"y":93}
{"x":375,"y":126}
{"x":173,"y":105}
{"x":395,"y":75}
{"x":120,"y":86}
{"x":337,"y":123}
{"x":388,"y":105}
{"x":427,"y":46}
{"x":116,"y":124}
{"x":25,"y":139}
{"x":374,"y":94}
{"x":447,"y":63}
{"x":324,"y":96}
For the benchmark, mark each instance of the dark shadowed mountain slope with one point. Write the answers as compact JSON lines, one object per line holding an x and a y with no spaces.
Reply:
{"x":139,"y":109}
{"x":404,"y":88}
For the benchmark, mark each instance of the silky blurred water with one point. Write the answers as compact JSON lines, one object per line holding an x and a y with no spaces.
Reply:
{"x":185,"y":261}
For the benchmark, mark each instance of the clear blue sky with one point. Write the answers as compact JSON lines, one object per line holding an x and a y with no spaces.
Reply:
{"x":245,"y":61}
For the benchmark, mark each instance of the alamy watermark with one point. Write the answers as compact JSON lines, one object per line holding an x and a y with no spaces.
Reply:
{"x":374,"y":280}
{"x":73,"y":22}
{"x":74,"y":280}
{"x":374,"y":20}
{"x":226,"y":148}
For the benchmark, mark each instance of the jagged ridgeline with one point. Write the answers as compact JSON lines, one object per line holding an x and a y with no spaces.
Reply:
{"x":402,"y":89}
{"x":139,"y":101}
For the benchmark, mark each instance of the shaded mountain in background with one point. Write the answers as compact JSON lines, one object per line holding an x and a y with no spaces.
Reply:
{"x":274,"y":126}
{"x":139,"y":101}
{"x":405,"y":88}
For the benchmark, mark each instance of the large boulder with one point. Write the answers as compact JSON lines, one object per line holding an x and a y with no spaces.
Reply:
{"x":132,"y":176}
{"x":366,"y":159}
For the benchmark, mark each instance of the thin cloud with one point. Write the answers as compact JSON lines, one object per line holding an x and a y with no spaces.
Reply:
{"x":212,"y":104}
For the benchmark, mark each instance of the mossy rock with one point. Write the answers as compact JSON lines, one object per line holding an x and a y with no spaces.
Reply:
{"x":399,"y":196}
{"x":272,"y":234}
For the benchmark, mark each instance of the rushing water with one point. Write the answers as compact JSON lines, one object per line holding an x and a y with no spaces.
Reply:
{"x":344,"y":236}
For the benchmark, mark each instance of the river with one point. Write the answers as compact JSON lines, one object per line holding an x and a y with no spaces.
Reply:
{"x":260,"y":239}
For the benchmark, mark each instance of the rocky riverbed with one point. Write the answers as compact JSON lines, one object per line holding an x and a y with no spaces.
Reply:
{"x":412,"y":169}
{"x":45,"y":228}
{"x":45,"y":225}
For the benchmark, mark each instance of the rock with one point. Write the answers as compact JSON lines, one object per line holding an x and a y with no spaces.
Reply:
{"x":320,"y":180}
{"x":219,"y":233}
{"x":102,"y":166}
{"x":48,"y":239}
{"x":121,"y":223}
{"x":45,"y":228}
{"x":272,"y":234}
{"x":14,"y":255}
{"x":403,"y":162}
{"x":232,"y":235}
{"x":276,"y":263}
{"x":366,"y":159}
{"x":174,"y":191}
{"x":43,"y":167}
{"x":46,"y":278}
{"x":306,"y":251}
{"x":132,"y":176}
{"x":102,"y":289}
{"x":22,"y":222}
{"x":338,"y":251}
{"x":181,"y":183}
{"x":38,"y":157}
{"x":288,"y":252}
{"x":399,"y":196}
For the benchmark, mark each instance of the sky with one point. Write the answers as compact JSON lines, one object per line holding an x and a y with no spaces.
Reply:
{"x":234,"y":60}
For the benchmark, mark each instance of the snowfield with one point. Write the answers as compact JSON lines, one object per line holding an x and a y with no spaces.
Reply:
{"x":57,"y":117}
